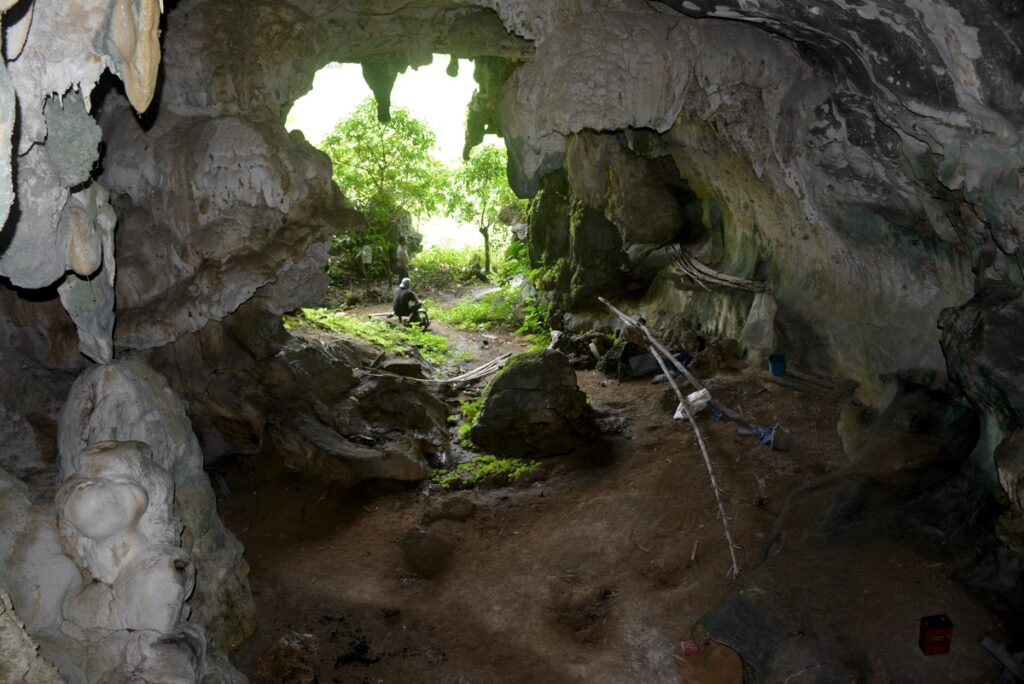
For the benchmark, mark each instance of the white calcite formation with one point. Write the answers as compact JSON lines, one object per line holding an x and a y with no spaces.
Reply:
{"x":19,"y":655}
{"x":128,"y":402}
{"x":128,"y":574}
{"x":54,"y":55}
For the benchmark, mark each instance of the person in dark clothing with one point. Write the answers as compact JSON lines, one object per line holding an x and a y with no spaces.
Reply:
{"x":406,"y":305}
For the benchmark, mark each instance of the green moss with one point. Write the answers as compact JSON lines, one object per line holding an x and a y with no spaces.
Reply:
{"x":397,"y":339}
{"x":576,"y":214}
{"x":470,"y":411}
{"x":484,"y":469}
{"x":553,"y":276}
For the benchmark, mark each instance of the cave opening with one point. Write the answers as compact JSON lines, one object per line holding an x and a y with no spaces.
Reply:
{"x":812,"y":263}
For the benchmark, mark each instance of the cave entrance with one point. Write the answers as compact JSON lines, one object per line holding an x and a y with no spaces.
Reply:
{"x":434,"y":197}
{"x":436,"y":95}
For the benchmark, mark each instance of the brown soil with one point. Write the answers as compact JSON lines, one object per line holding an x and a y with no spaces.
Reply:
{"x":594,"y":574}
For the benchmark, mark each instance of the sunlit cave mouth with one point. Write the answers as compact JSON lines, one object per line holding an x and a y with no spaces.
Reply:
{"x":508,"y":340}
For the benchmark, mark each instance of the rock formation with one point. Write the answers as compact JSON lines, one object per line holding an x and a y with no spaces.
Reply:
{"x":118,"y":585}
{"x":534,"y":408}
{"x":19,"y":656}
{"x":862,"y":160}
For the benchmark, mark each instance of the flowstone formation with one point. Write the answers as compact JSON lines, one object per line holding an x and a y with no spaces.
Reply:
{"x":117,"y":577}
{"x":860,"y":162}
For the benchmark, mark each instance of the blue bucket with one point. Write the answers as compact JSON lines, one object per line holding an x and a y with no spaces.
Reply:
{"x":777,"y":363}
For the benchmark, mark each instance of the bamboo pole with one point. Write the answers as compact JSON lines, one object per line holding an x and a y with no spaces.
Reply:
{"x":653,"y":342}
{"x":687,"y":409}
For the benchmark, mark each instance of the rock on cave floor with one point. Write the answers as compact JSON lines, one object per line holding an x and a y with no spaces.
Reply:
{"x":587,"y":576}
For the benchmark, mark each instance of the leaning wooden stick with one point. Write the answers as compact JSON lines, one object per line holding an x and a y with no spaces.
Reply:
{"x":707,"y":458}
{"x":655,"y":352}
{"x":653,"y":342}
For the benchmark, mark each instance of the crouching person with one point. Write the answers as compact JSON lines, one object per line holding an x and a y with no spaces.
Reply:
{"x":406,"y":305}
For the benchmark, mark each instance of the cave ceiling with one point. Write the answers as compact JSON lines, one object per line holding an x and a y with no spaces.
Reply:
{"x":861,"y":158}
{"x":869,"y":122}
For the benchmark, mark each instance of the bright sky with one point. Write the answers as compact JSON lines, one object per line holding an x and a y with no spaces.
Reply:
{"x":428,"y":93}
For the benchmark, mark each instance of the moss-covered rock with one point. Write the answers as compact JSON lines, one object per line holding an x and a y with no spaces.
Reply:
{"x":534,"y":408}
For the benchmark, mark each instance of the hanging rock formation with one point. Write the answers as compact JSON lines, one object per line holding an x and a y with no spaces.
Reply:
{"x":862,"y":160}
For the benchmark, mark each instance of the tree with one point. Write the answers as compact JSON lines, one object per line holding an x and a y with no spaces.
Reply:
{"x":480,"y":190}
{"x":387,"y":169}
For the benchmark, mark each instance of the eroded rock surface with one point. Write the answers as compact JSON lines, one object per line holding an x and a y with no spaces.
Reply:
{"x":309,"y":401}
{"x":534,"y":408}
{"x":19,"y":655}
{"x":980,"y":340}
{"x":1009,"y":463}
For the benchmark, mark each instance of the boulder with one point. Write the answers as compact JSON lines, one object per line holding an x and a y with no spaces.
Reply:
{"x":534,"y":408}
{"x":407,"y":368}
{"x":981,"y":341}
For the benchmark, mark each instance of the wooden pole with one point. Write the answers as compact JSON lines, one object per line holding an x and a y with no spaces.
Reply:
{"x":683,"y":370}
{"x":656,"y":352}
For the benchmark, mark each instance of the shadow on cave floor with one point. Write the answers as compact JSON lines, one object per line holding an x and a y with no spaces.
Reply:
{"x":594,"y":574}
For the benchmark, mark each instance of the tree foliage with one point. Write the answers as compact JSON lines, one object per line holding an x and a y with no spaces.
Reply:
{"x":386,"y":169}
{"x":478,"y":192}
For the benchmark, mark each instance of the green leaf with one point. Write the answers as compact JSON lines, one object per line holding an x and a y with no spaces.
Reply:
{"x":386,"y":169}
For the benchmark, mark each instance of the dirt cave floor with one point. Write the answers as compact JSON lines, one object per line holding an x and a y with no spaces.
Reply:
{"x":595,"y":573}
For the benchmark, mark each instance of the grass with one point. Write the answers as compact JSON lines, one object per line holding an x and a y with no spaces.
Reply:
{"x":508,"y":307}
{"x":494,"y":309}
{"x":514,"y":306}
{"x":391,"y":338}
{"x":484,"y":469}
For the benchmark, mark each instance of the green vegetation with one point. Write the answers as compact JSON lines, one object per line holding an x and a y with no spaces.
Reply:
{"x":470,"y":411}
{"x":386,"y":167}
{"x":392,"y":338}
{"x":509,"y":307}
{"x":484,"y":470}
{"x":479,"y":193}
{"x":389,"y":172}
{"x":494,"y":309}
{"x":438,"y":266}
{"x":514,"y":306}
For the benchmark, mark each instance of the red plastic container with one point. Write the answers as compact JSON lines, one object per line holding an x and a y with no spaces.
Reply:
{"x":692,"y":648}
{"x":936,"y":635}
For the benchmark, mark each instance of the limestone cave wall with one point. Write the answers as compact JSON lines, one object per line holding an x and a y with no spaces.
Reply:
{"x":863,"y":161}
